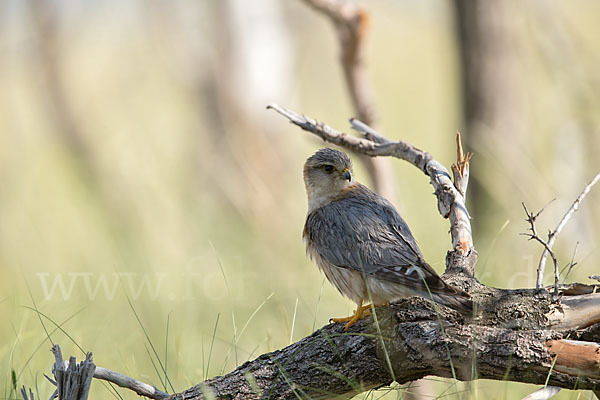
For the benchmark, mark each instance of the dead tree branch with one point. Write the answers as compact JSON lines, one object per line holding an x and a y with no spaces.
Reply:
{"x":419,"y":341}
{"x":73,"y":380}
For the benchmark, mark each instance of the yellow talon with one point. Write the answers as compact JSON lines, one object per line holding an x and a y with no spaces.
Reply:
{"x":360,"y":312}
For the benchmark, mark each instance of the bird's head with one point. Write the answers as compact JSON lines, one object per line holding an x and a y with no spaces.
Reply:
{"x":326,"y":174}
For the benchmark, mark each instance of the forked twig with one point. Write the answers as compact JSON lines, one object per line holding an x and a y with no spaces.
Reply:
{"x":570,"y":265}
{"x":547,"y":244}
{"x":552,"y":235}
{"x":531,"y":218}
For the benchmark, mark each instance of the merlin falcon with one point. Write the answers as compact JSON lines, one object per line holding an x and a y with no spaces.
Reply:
{"x":362,"y":244}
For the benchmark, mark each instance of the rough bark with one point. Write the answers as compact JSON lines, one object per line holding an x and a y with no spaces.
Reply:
{"x":514,"y":340}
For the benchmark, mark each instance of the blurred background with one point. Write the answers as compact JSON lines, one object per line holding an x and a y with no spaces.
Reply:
{"x":151,"y":208}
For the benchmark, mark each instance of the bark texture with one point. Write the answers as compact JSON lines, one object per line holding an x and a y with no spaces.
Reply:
{"x":516,"y":336}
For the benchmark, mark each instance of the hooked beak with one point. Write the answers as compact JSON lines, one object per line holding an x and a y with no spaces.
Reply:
{"x":347,"y":175}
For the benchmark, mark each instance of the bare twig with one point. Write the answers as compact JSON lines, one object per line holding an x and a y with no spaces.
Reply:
{"x":451,"y":203}
{"x":141,"y":388}
{"x":553,"y":234}
{"x":531,"y":218}
{"x":351,"y":23}
{"x":368,"y":132}
{"x":570,"y":265}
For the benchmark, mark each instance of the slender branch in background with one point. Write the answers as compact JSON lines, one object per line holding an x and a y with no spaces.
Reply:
{"x":46,"y":28}
{"x":451,"y":203}
{"x":553,"y":234}
{"x":351,"y":23}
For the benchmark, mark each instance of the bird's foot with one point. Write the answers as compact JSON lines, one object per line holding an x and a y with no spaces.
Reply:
{"x":360,"y":312}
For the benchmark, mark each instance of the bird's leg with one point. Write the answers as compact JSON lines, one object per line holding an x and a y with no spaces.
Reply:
{"x":360,"y":312}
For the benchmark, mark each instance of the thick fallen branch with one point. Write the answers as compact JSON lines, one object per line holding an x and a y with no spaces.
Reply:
{"x":419,"y":341}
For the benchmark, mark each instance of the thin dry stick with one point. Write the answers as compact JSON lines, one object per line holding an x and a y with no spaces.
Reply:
{"x":351,"y":23}
{"x":571,"y":264}
{"x":451,"y":203}
{"x":552,"y":235}
{"x":141,"y":388}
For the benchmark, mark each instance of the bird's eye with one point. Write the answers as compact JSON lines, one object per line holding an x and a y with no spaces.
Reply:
{"x":328,"y":168}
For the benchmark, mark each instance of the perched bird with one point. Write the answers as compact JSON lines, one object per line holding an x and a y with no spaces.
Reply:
{"x":361,"y":243}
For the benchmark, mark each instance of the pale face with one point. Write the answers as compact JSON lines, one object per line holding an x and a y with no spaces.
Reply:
{"x":327,"y":173}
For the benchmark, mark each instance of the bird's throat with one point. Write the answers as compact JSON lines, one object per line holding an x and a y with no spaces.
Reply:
{"x":320,"y":196}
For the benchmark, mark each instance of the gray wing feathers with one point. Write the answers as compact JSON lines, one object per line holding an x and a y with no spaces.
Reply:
{"x":362,"y":231}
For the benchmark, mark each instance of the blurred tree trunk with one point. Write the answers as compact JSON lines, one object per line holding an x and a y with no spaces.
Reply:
{"x":46,"y":25}
{"x":492,"y":105}
{"x":68,"y":126}
{"x":234,"y":65}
